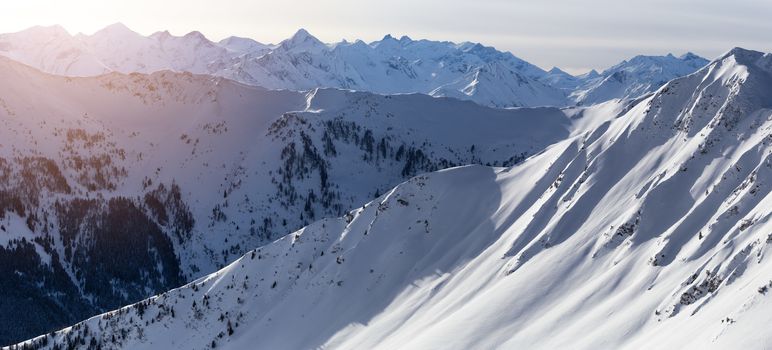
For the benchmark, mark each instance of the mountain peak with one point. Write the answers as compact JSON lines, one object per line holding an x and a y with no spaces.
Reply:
{"x":689,"y":56}
{"x":195,"y":35}
{"x":238,"y":39}
{"x":482,"y":51}
{"x":404,"y":40}
{"x":302,"y":35}
{"x":117,"y":27}
{"x":742,"y":54}
{"x":388,"y":43}
{"x":745,"y":75}
{"x":589,"y":75}
{"x":239,"y":44}
{"x":755,"y":63}
{"x":302,"y":40}
{"x":556,"y":70}
{"x":161,"y":34}
{"x":55,"y":29}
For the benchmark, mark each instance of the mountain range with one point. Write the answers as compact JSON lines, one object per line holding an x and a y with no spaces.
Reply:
{"x":647,"y":226}
{"x":468,"y":71}
{"x":377,"y":195}
{"x":132,"y":152}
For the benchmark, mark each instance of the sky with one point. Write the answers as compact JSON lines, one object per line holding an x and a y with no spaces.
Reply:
{"x":575,"y":35}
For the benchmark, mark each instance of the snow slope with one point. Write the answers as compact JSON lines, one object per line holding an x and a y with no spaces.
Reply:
{"x":647,"y":227}
{"x":101,"y":193}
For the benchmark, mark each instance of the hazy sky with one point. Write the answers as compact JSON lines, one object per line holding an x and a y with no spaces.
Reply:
{"x":572,"y":34}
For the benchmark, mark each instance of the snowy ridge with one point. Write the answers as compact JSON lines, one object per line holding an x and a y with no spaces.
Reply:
{"x":466,"y":71}
{"x":647,"y":227}
{"x":497,"y":85}
{"x":629,"y":79}
{"x":53,"y":50}
{"x":401,"y":66}
{"x":100,"y":181}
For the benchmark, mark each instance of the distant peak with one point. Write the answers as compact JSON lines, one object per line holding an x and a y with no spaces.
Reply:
{"x":55,"y":29}
{"x":405,"y":39}
{"x":238,"y":39}
{"x":689,"y":56}
{"x":359,"y":44}
{"x":556,"y":70}
{"x":644,"y":58}
{"x":486,"y":52}
{"x":591,"y":74}
{"x":195,"y":35}
{"x":161,"y":35}
{"x":388,"y":37}
{"x":302,"y":34}
{"x":117,"y":28}
{"x":302,"y":39}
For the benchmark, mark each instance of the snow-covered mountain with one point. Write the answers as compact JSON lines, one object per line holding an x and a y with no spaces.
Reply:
{"x":647,"y":226}
{"x":53,"y":50}
{"x":114,"y":48}
{"x":302,"y":62}
{"x":123,"y":50}
{"x":629,"y":79}
{"x":118,"y":187}
{"x":466,"y":71}
{"x":497,"y":85}
{"x":244,"y":45}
